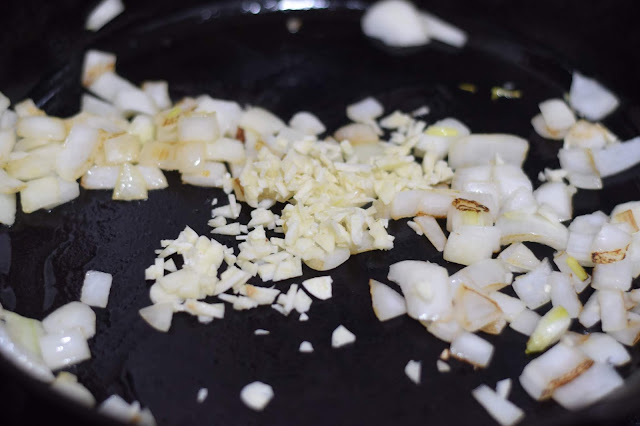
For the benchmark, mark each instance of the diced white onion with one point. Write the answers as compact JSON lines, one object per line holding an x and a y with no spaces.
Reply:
{"x":387,"y":303}
{"x":256,"y":395}
{"x":590,"y":98}
{"x":443,"y":31}
{"x":64,"y":349}
{"x":104,"y":12}
{"x":502,"y":410}
{"x":158,"y":316}
{"x":596,"y":383}
{"x":96,"y":288}
{"x":341,"y":336}
{"x":472,"y":349}
{"x":72,"y":316}
{"x":395,"y":23}
{"x":413,"y":370}
{"x":479,"y":149}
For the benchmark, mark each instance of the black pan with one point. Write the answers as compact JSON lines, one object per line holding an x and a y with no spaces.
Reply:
{"x":243,"y":51}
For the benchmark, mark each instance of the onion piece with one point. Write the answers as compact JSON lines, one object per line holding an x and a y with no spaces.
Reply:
{"x":104,"y":12}
{"x":540,"y":126}
{"x":584,"y":134}
{"x":96,"y":288}
{"x":39,"y":127}
{"x":510,"y":306}
{"x":470,"y":244}
{"x":564,"y":294}
{"x":73,"y":161}
{"x":365,"y":110}
{"x":422,"y":202}
{"x":261,"y":121}
{"x":100,"y":177}
{"x":341,"y":337}
{"x":7,"y":142}
{"x":443,"y":31}
{"x":92,"y":105}
{"x":307,"y":123}
{"x":256,"y":395}
{"x":305,"y":347}
{"x":472,"y":349}
{"x":549,"y":329}
{"x":630,"y":335}
{"x":591,"y":386}
{"x":158,"y":316}
{"x":590,"y":314}
{"x":532,"y":287}
{"x":134,"y":101}
{"x":72,"y":316}
{"x":395,"y":22}
{"x":387,"y":303}
{"x":503,"y":388}
{"x":319,"y":287}
{"x":554,"y":368}
{"x":413,"y":370}
{"x":432,"y":231}
{"x":95,"y":64}
{"x":425,"y":287}
{"x":486,"y":275}
{"x":612,"y":310}
{"x":519,"y":227}
{"x":519,"y":258}
{"x":503,"y":411}
{"x":613,"y":276}
{"x":557,"y":195}
{"x":158,"y":91}
{"x":8,"y":209}
{"x":474,"y":310}
{"x":479,"y":149}
{"x":64,"y":349}
{"x":68,"y":385}
{"x":109,"y":84}
{"x":130,"y":184}
{"x":23,"y":358}
{"x":557,"y":115}
{"x":603,"y":348}
{"x":119,"y":409}
{"x":525,"y":322}
{"x":330,"y":260}
{"x":590,"y":98}
{"x":617,"y":158}
{"x":444,"y":330}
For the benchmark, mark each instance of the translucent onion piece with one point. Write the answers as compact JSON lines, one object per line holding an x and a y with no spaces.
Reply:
{"x":8,"y":209}
{"x":432,"y":231}
{"x":319,"y":287}
{"x":425,"y":287}
{"x":96,"y":288}
{"x":443,"y":31}
{"x":23,"y":359}
{"x":472,"y":349}
{"x":341,"y":337}
{"x":564,"y":294}
{"x":64,"y":349}
{"x":612,"y":310}
{"x":470,"y":244}
{"x":256,"y":395}
{"x":520,"y":227}
{"x":519,"y":258}
{"x":617,"y":158}
{"x":554,"y":368}
{"x":307,"y":123}
{"x":104,"y":12}
{"x":590,"y":98}
{"x":525,"y":322}
{"x":386,"y":302}
{"x":557,"y":115}
{"x":596,"y":383}
{"x":130,"y":184}
{"x":365,"y":110}
{"x":395,"y":23}
{"x":532,"y":287}
{"x":72,"y":316}
{"x":413,"y":370}
{"x":95,"y":64}
{"x":603,"y":348}
{"x":158,"y":316}
{"x":502,"y":410}
{"x":479,"y":149}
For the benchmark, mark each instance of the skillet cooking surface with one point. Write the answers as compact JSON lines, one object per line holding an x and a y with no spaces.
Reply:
{"x":210,"y":50}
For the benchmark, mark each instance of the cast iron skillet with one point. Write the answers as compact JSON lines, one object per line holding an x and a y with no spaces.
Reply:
{"x":243,"y":51}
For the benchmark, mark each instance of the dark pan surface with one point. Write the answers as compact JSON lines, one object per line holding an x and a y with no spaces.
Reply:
{"x":227,"y":51}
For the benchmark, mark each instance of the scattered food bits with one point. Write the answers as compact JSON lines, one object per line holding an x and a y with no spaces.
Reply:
{"x":202,"y":395}
{"x":413,"y":370}
{"x":261,"y":332}
{"x":442,"y":366}
{"x":341,"y":337}
{"x":319,"y":287}
{"x":256,"y":395}
{"x":306,"y":347}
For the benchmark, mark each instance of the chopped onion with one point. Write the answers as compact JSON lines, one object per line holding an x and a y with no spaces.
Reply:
{"x":158,"y":91}
{"x":557,"y":115}
{"x":590,"y":98}
{"x":387,"y":303}
{"x":617,"y":158}
{"x":479,"y":149}
{"x":470,"y":244}
{"x":261,"y":121}
{"x":23,"y":358}
{"x":256,"y":395}
{"x":532,"y":287}
{"x":419,"y":203}
{"x":100,"y":177}
{"x":122,"y":411}
{"x":341,"y":336}
{"x":425,"y":287}
{"x":549,"y":329}
{"x":502,"y":410}
{"x":554,"y":368}
{"x":473,"y":310}
{"x":519,"y":258}
{"x":472,"y":349}
{"x":438,"y":29}
{"x":305,"y":347}
{"x":612,"y":310}
{"x":413,"y":370}
{"x":64,"y":349}
{"x":104,"y":12}
{"x":590,"y":314}
{"x":486,"y":275}
{"x":564,"y":294}
{"x":603,"y":348}
{"x":319,"y":287}
{"x":39,"y":127}
{"x":68,"y":385}
{"x":519,"y":227}
{"x":7,"y":209}
{"x":525,"y":322}
{"x":72,"y":316}
{"x":96,"y":288}
{"x":613,"y":276}
{"x":365,"y":110}
{"x":95,"y":64}
{"x":158,"y":316}
{"x":432,"y":231}
{"x":503,"y":388}
{"x":109,"y":84}
{"x":130,"y":184}
{"x":134,"y":101}
{"x":395,"y":22}
{"x":591,"y":386}
{"x":557,"y":195}
{"x":510,"y":306}
{"x":442,"y":366}
{"x":307,"y":123}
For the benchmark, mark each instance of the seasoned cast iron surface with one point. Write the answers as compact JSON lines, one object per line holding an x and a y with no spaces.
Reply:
{"x":226,"y":52}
